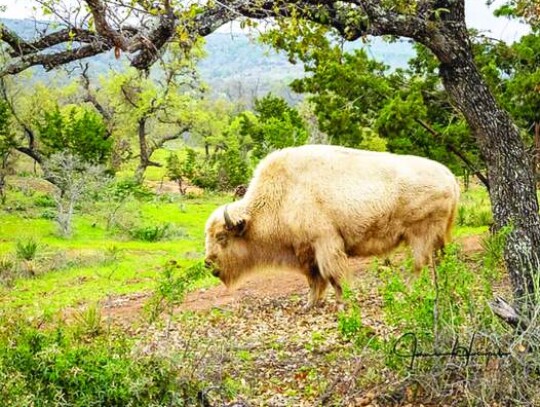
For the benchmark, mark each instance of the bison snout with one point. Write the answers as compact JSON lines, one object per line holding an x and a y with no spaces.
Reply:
{"x":209,"y":264}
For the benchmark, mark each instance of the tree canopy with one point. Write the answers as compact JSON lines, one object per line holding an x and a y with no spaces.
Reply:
{"x":439,"y":25}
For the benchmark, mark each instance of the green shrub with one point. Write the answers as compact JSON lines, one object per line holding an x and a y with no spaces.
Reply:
{"x":26,"y":249}
{"x":123,"y":189}
{"x":172,"y":286}
{"x":205,"y":176}
{"x":49,"y":214}
{"x":150,"y":233}
{"x":53,"y":367}
{"x":44,"y":201}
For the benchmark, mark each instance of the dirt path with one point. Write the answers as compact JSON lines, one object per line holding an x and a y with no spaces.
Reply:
{"x":128,"y":308}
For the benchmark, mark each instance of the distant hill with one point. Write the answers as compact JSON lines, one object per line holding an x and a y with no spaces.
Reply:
{"x":238,"y":66}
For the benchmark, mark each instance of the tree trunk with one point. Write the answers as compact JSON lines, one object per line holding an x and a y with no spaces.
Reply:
{"x":513,"y":190}
{"x":536,"y":150}
{"x":143,"y":150}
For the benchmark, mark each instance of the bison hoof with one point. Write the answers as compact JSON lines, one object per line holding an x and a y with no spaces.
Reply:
{"x":310,"y":306}
{"x":339,"y":306}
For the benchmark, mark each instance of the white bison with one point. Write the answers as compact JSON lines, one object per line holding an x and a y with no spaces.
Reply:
{"x":309,"y":207}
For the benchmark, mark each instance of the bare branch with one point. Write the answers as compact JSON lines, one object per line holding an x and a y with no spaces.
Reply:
{"x":21,"y":47}
{"x":99,"y":12}
{"x":509,"y":314}
{"x":52,"y":60}
{"x":91,"y":98}
{"x":352,"y":19}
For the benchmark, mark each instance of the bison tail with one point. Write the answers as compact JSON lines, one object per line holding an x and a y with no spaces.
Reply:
{"x":453,"y":213}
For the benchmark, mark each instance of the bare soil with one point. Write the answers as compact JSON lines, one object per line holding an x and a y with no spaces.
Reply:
{"x":128,"y":308}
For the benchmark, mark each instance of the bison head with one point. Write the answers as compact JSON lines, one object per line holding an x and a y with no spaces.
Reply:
{"x":227,"y":252}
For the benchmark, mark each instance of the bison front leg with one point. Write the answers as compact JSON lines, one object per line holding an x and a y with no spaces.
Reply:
{"x":336,"y":284}
{"x":317,"y":286}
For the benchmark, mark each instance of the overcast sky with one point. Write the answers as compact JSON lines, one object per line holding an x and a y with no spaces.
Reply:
{"x":478,"y":16}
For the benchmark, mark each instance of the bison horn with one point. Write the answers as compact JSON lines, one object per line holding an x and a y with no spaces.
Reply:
{"x":229,"y":225}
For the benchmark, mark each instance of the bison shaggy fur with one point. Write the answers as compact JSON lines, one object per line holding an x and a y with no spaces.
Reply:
{"x":309,"y":208}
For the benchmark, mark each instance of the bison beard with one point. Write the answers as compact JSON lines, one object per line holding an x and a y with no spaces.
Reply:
{"x":309,"y":208}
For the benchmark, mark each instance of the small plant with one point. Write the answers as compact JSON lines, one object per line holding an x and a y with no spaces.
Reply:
{"x":48,"y":213}
{"x":44,"y":201}
{"x":461,"y":219}
{"x":350,"y":323}
{"x":41,"y":366}
{"x":26,"y":249}
{"x":112,"y":254}
{"x":153,"y":233}
{"x":8,"y":271}
{"x":493,"y":247}
{"x":172,"y":286}
{"x":89,"y":322}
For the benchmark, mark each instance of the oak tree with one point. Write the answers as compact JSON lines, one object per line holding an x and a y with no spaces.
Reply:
{"x":439,"y":25}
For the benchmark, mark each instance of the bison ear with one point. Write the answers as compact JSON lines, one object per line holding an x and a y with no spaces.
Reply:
{"x":240,"y":228}
{"x":238,"y":225}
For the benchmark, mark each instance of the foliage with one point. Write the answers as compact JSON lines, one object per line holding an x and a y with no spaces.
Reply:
{"x":222,"y":171}
{"x":529,"y":10}
{"x":513,"y":72}
{"x":44,"y":366}
{"x":172,"y":286}
{"x":493,"y":246}
{"x":277,"y":125}
{"x":75,"y":130}
{"x":6,"y":148}
{"x":157,"y":106}
{"x":27,"y":249}
{"x":429,"y":307}
{"x":360,"y":103}
{"x":150,"y":233}
{"x":117,"y":194}
{"x":181,"y":171}
{"x":8,"y":271}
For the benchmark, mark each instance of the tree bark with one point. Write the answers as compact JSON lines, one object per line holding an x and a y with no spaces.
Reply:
{"x":143,"y":150}
{"x":512,"y":185}
{"x":536,"y":150}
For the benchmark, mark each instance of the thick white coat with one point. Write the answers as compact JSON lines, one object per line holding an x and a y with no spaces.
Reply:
{"x":311,"y":207}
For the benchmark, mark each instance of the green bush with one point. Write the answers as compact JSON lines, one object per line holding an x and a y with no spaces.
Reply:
{"x":56,"y":368}
{"x":150,"y":233}
{"x":44,"y":201}
{"x":49,"y":214}
{"x":123,"y":189}
{"x":205,"y":176}
{"x":172,"y":286}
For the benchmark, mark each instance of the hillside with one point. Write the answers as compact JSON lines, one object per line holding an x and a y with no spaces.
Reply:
{"x":237,"y":66}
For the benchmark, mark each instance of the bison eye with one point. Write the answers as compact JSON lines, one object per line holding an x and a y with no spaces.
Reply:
{"x":221,"y":237}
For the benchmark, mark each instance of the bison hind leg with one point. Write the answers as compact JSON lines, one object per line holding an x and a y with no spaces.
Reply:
{"x":333,"y":262}
{"x":424,"y":246}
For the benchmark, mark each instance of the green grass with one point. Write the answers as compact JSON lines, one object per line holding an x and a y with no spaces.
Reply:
{"x":83,"y":276}
{"x":89,"y":278}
